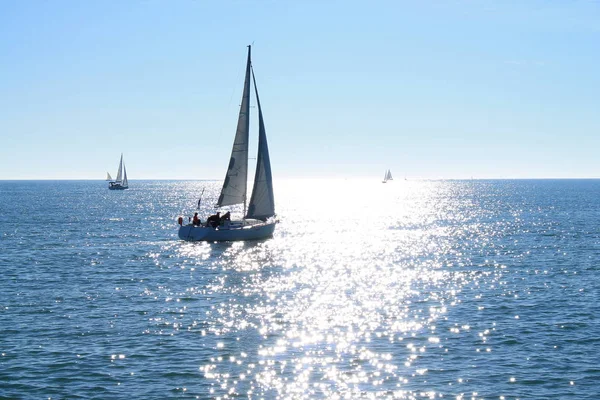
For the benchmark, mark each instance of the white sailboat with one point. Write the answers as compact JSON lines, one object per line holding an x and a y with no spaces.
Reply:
{"x":121,"y":182}
{"x":387,"y":176}
{"x":259,"y":220}
{"x":108,"y":177}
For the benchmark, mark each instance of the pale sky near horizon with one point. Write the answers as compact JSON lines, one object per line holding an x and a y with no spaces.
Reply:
{"x":446,"y":89}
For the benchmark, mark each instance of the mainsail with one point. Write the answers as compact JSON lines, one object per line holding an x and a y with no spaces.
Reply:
{"x":236,"y":178}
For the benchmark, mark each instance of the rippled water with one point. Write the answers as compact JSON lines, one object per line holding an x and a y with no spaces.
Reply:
{"x":412,"y":289}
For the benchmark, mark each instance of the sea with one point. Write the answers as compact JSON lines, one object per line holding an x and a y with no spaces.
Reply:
{"x":412,"y":289}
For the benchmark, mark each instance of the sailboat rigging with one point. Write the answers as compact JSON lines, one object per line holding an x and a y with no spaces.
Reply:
{"x":258,"y":220}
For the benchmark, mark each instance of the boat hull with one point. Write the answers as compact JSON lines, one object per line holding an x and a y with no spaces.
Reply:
{"x":235,"y":232}
{"x":117,"y":187}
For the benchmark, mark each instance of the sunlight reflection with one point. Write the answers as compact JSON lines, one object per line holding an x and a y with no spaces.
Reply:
{"x":346,"y":296}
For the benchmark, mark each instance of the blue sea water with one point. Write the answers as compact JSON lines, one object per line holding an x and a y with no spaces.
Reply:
{"x":411,"y":289}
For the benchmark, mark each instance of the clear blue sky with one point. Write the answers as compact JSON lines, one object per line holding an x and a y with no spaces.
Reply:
{"x":447,"y":89}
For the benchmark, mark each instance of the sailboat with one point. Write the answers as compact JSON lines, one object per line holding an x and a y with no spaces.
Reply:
{"x":108,"y":177}
{"x":387,"y":176}
{"x":121,"y":182}
{"x":259,"y":219}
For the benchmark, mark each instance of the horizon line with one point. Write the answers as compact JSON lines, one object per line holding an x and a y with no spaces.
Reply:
{"x":311,"y":178}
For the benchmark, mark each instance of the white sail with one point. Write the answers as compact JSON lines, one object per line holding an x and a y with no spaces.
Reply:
{"x":262,"y":203}
{"x":236,"y":178}
{"x":108,"y":177}
{"x":124,"y":183}
{"x":120,"y":171}
{"x":387,"y":176}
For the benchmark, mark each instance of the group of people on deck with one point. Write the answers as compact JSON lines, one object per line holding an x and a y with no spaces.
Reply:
{"x":214,"y":220}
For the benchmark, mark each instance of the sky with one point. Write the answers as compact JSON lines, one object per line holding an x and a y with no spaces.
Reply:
{"x":443,"y":89}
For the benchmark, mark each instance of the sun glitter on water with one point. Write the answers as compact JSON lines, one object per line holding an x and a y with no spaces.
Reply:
{"x":343,"y":300}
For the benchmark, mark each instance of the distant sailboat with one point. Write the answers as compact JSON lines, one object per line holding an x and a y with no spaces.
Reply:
{"x":108,"y":177}
{"x":258,"y":221}
{"x":387,"y":176}
{"x":121,"y":182}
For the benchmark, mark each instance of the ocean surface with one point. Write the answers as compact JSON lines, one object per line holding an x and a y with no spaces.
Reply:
{"x":474,"y":289}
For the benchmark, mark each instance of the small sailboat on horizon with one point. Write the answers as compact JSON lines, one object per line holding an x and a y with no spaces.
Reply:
{"x":387,"y":176}
{"x":259,"y":220}
{"x":121,"y":182}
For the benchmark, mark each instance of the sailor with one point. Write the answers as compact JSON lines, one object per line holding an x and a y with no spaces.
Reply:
{"x":214,"y":220}
{"x":226,"y":217}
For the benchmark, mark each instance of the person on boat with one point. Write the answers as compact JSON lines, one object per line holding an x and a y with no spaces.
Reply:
{"x":226,"y":217}
{"x":196,"y":220}
{"x":214,"y":220}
